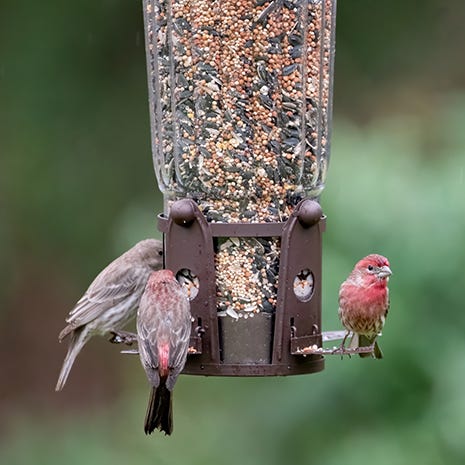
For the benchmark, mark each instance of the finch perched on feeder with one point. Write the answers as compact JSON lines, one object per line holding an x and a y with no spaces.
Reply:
{"x":364,"y":302}
{"x":111,"y":300}
{"x":163,"y":331}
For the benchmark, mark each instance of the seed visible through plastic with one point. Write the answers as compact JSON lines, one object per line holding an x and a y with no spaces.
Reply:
{"x":189,"y":282}
{"x":304,"y":285}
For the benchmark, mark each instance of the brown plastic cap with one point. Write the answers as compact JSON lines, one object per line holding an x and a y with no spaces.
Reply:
{"x":183,"y":212}
{"x":309,"y":213}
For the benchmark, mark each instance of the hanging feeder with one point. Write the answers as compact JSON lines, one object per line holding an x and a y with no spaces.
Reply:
{"x":240,"y":106}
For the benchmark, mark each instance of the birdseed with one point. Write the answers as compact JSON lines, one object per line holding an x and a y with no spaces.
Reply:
{"x":240,"y":103}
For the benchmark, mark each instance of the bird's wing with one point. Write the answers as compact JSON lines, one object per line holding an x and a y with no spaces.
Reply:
{"x":180,"y":336}
{"x":103,"y":295}
{"x":149,"y":358}
{"x":147,"y":339}
{"x":388,"y":302}
{"x":148,"y":324}
{"x":148,"y":353}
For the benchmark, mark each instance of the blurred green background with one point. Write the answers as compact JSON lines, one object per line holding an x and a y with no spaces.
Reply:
{"x":77,"y":188}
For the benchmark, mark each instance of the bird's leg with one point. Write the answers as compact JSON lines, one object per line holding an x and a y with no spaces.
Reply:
{"x":344,"y":340}
{"x":342,"y":345}
{"x":123,"y":337}
{"x":341,"y":348}
{"x":372,"y":349}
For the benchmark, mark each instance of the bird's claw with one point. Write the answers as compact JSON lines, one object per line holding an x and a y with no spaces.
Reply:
{"x":337,"y":350}
{"x":341,"y":350}
{"x":123,"y":337}
{"x":342,"y":346}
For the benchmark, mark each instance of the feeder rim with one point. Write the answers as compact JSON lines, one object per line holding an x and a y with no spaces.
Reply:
{"x":238,"y":229}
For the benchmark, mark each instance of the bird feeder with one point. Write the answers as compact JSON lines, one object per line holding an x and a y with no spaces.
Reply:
{"x":240,"y":105}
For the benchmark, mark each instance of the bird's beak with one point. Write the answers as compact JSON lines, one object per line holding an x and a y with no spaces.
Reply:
{"x":384,"y":272}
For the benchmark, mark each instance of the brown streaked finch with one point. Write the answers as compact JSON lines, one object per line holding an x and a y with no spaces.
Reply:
{"x":364,"y":302}
{"x":111,"y":300}
{"x":163,"y":333}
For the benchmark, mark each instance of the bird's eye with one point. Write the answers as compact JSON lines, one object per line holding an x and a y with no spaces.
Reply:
{"x":370,"y":267}
{"x":160,"y":252}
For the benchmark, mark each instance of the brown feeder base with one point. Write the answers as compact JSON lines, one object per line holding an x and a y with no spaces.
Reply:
{"x":267,"y":344}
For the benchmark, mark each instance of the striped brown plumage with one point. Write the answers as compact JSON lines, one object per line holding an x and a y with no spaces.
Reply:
{"x":111,"y":300}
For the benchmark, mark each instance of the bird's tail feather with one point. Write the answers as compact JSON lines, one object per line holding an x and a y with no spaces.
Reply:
{"x":78,"y":338}
{"x":365,"y":341}
{"x":160,"y":410}
{"x":377,"y":351}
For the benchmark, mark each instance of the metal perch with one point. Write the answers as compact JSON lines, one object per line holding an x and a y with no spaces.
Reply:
{"x":336,"y":350}
{"x":124,"y":337}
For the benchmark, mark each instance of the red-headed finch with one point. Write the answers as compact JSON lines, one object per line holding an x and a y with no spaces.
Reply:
{"x":111,"y":300}
{"x":364,"y":302}
{"x":163,"y":332}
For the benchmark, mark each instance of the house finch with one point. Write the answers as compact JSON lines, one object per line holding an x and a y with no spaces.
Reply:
{"x":364,"y":302}
{"x":163,"y":331}
{"x":111,"y":300}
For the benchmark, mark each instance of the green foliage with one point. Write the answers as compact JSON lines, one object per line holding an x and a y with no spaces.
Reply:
{"x":387,"y":194}
{"x":77,"y":187}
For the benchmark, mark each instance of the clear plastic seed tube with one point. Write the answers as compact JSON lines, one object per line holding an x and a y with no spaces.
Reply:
{"x":240,"y":104}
